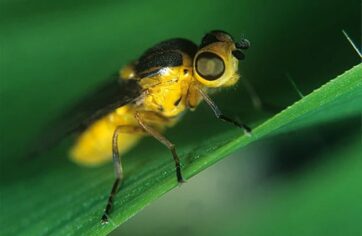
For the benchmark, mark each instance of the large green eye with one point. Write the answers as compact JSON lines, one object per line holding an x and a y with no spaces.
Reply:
{"x":210,"y":66}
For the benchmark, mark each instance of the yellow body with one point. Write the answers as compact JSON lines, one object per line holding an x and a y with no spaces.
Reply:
{"x":168,"y":95}
{"x":94,"y":145}
{"x":164,"y":98}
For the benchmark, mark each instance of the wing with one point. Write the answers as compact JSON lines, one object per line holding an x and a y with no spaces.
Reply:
{"x":109,"y":96}
{"x":112,"y":94}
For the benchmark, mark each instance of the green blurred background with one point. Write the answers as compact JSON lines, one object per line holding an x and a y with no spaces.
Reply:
{"x":303,"y":183}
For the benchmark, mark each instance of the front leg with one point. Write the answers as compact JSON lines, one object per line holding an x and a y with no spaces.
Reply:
{"x":118,"y":170}
{"x":141,"y":117}
{"x":220,"y":115}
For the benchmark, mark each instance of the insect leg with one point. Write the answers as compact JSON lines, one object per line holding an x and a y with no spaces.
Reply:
{"x":256,"y":100}
{"x":165,"y":142}
{"x":118,"y":170}
{"x":220,"y":115}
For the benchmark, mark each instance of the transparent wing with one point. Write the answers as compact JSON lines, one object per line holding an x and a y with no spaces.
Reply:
{"x":114,"y":93}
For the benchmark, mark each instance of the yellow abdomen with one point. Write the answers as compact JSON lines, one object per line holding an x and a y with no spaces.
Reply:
{"x":94,"y":146}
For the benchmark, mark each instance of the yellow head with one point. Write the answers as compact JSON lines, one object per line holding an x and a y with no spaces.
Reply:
{"x":216,"y":62}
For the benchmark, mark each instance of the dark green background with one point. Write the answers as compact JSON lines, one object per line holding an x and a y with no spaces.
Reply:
{"x":53,"y":53}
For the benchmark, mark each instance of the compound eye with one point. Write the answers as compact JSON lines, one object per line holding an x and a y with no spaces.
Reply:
{"x":210,"y":66}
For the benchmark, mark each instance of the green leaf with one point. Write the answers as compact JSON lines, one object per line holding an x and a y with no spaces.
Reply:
{"x":287,"y":185}
{"x":69,"y":200}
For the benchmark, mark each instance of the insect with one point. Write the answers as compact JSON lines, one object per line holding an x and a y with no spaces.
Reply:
{"x":148,"y":96}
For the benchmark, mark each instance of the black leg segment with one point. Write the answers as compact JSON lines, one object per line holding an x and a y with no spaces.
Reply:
{"x":118,"y":170}
{"x":220,"y":115}
{"x":165,"y":142}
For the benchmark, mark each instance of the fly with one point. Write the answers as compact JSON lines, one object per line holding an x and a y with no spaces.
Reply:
{"x":146,"y":97}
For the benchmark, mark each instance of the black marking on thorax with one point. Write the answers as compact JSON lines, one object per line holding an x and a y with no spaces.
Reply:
{"x":160,"y":60}
{"x":165,"y":54}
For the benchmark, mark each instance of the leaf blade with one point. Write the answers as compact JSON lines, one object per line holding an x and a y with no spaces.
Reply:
{"x":157,"y":178}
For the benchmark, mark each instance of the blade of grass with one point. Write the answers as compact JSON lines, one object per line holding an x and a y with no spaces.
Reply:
{"x":63,"y":199}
